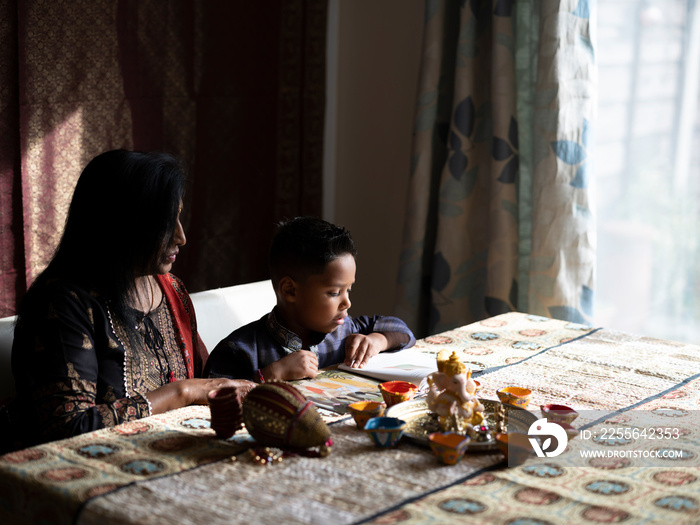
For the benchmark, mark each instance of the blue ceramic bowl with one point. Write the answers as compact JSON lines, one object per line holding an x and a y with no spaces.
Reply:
{"x":385,"y":432}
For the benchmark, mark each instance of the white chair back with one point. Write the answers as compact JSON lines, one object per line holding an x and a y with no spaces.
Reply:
{"x":223,"y":310}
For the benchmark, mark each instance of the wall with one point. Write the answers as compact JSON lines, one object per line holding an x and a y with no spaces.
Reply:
{"x":372,"y":85}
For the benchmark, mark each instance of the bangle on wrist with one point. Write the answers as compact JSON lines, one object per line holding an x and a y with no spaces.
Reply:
{"x":261,"y":379}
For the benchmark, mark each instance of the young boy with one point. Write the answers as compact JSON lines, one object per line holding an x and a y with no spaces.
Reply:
{"x":312,"y":267}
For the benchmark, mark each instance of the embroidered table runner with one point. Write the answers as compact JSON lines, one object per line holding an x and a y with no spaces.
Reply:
{"x":617,"y":382}
{"x":561,"y":362}
{"x":49,"y":483}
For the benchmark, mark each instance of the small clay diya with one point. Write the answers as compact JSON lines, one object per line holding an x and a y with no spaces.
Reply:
{"x":449,"y":447}
{"x":395,"y":392}
{"x":515,"y":446}
{"x":515,"y":395}
{"x":363,"y":411}
{"x":385,"y":432}
{"x":559,"y":413}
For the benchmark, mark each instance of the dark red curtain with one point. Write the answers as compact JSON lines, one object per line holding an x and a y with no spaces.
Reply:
{"x":236,"y":89}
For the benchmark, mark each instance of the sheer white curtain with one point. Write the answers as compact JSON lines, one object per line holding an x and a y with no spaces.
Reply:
{"x":648,"y":168}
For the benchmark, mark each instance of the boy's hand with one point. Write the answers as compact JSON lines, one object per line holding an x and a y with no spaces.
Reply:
{"x":297,"y":365}
{"x":359,"y":348}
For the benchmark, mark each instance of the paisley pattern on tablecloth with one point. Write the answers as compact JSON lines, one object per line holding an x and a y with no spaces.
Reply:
{"x":75,"y":470}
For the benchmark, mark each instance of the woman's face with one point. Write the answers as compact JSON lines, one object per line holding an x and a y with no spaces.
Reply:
{"x":168,"y":253}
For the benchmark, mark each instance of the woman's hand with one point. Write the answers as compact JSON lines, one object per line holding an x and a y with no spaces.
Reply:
{"x":191,"y":392}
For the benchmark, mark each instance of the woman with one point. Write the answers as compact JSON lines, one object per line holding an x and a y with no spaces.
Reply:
{"x":106,"y":334}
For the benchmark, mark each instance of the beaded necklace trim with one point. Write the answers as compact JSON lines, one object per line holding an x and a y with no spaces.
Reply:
{"x":114,"y":332}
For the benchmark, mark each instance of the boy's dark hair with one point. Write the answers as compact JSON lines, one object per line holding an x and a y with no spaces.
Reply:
{"x":303,"y":246}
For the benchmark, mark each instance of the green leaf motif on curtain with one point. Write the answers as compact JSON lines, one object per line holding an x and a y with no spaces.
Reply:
{"x":541,"y":264}
{"x":425,"y":118}
{"x":567,"y":313}
{"x":414,"y":163}
{"x":470,"y":284}
{"x":466,"y":46}
{"x":506,"y":41}
{"x":542,"y":149}
{"x":547,"y":120}
{"x":409,"y":253}
{"x":510,"y":207}
{"x":407,"y":270}
{"x":545,"y":97}
{"x":442,"y":272}
{"x":582,"y":10}
{"x":543,"y":284}
{"x":447,"y":209}
{"x":427,"y":98}
{"x":587,"y":300}
{"x":431,"y":7}
{"x":454,"y":190}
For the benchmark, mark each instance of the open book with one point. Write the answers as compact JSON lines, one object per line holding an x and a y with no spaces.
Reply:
{"x":403,"y":365}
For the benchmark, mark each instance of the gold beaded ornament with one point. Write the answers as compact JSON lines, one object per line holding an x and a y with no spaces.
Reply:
{"x":279,"y":417}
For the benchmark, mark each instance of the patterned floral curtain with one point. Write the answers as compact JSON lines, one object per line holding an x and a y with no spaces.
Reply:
{"x":235,"y":89}
{"x":500,"y":212}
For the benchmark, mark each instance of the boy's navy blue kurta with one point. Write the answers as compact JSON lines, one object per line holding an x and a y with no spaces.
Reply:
{"x":254,"y":346}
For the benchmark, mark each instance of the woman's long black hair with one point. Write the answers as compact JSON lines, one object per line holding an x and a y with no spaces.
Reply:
{"x":123,"y":213}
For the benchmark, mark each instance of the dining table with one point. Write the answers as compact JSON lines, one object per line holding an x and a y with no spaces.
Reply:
{"x":630,"y":456}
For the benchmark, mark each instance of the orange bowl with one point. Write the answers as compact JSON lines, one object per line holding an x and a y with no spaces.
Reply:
{"x":449,"y":447}
{"x":395,"y":392}
{"x":514,"y":395}
{"x":363,"y":411}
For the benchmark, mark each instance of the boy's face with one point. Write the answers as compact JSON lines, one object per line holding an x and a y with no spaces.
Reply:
{"x":322,"y":300}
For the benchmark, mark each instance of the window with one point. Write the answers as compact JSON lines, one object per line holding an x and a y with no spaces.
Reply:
{"x":648,"y":168}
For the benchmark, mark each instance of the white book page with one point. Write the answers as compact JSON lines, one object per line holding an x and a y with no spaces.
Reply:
{"x":403,"y":365}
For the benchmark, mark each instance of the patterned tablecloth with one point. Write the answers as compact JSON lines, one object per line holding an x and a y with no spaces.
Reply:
{"x":172,"y":469}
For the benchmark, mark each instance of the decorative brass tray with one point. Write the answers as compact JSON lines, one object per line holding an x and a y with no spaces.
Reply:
{"x":420,"y":422}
